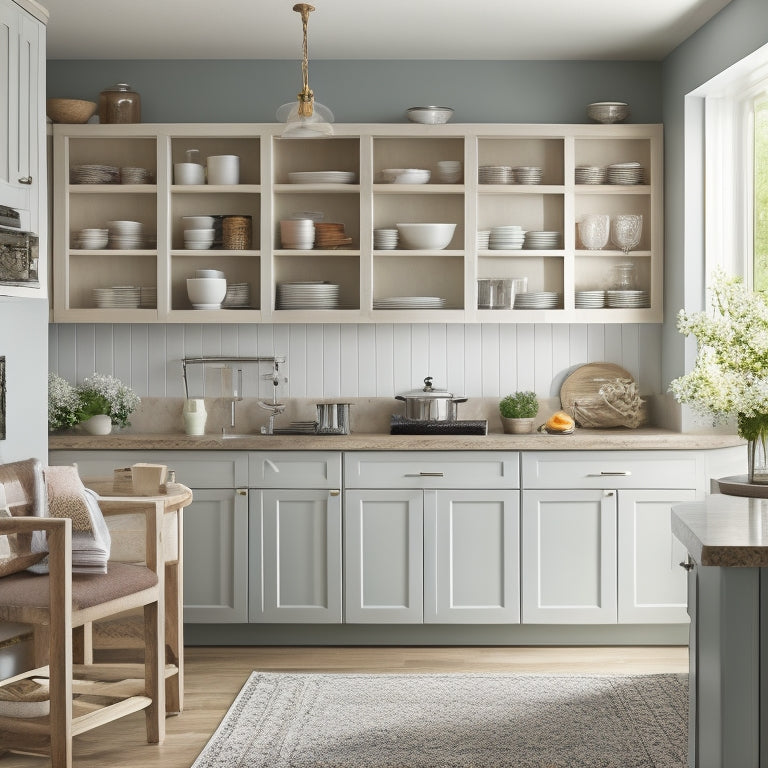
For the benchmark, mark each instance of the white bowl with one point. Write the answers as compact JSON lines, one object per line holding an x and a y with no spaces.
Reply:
{"x":126,"y":227}
{"x":197,"y":245}
{"x":198,"y":222}
{"x":406,"y":175}
{"x":430,"y":115}
{"x":432,"y":237}
{"x":199,"y":234}
{"x":206,"y":290}
{"x":209,"y":273}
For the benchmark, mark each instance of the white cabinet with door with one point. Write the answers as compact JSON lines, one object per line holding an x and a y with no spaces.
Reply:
{"x":431,"y":537}
{"x":295,"y":537}
{"x":597,"y":543}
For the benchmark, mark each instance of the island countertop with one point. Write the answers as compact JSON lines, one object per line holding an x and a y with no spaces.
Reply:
{"x":646,"y":438}
{"x":725,"y":531}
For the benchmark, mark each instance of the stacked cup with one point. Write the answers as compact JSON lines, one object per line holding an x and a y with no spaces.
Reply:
{"x":297,"y":233}
{"x":92,"y":239}
{"x":127,"y":235}
{"x":198,"y":232}
{"x":449,"y":171}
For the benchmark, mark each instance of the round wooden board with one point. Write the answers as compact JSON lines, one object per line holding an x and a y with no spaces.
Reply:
{"x":586,"y":380}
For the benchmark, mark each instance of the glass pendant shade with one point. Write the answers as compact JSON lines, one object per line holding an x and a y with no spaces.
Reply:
{"x":305,"y":118}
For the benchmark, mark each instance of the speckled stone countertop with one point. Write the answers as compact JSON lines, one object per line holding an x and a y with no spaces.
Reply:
{"x":644,"y":439}
{"x":726,"y":531}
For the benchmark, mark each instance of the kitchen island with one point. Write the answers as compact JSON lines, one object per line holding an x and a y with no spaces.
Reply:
{"x":727,"y":541}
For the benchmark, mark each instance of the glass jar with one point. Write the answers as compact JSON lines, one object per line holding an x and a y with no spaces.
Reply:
{"x":624,"y":276}
{"x":119,"y":104}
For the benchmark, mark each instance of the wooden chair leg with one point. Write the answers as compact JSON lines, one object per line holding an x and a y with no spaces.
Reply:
{"x":82,"y":644}
{"x":154,"y":671}
{"x":174,"y":638}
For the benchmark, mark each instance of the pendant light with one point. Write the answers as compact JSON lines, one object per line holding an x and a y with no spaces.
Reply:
{"x":305,"y":118}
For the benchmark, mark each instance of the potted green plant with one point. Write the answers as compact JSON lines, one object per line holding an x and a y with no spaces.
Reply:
{"x":105,"y":401}
{"x":518,"y":412}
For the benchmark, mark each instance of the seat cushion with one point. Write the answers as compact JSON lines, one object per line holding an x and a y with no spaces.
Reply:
{"x":122,"y":579}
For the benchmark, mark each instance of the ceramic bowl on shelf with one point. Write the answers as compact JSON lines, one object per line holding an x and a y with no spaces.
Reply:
{"x":206,"y":291}
{"x":608,"y":111}
{"x":198,"y":222}
{"x":406,"y":175}
{"x":427,"y":236}
{"x":70,"y":110}
{"x":429,"y":115}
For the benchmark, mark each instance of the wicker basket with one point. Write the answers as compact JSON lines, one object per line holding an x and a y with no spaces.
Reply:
{"x":236,"y":232}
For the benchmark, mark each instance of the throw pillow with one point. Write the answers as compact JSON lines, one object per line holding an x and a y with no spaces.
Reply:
{"x":66,"y":497}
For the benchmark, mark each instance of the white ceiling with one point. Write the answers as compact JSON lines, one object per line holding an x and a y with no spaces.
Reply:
{"x":374,"y":29}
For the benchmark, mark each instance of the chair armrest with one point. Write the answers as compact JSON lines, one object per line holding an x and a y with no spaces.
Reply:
{"x":152,"y":510}
{"x":24,"y":524}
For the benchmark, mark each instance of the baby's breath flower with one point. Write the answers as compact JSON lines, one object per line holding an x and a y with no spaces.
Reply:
{"x":102,"y":393}
{"x":63,"y":403}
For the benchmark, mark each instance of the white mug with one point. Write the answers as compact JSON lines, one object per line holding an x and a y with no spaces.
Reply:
{"x":194,"y":416}
{"x":223,"y":169}
{"x":188,"y":173}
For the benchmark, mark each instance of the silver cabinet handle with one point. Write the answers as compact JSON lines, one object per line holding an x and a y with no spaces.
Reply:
{"x":242,"y":491}
{"x":426,"y":474}
{"x":25,"y":180}
{"x":335,"y":492}
{"x":688,"y":564}
{"x":609,"y":474}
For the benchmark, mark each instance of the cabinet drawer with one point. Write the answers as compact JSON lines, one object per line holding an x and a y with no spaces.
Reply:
{"x":195,"y":469}
{"x":432,"y":469}
{"x":294,"y":469}
{"x":612,"y":469}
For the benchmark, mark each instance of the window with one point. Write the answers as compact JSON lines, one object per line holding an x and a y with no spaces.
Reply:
{"x":760,"y":196}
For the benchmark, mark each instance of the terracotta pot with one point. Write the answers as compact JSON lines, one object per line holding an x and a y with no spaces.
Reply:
{"x":517,"y":426}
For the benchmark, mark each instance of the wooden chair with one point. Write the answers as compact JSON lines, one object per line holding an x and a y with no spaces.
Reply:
{"x":81,"y":696}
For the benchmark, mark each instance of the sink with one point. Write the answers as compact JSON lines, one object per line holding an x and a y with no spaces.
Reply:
{"x":232,"y":435}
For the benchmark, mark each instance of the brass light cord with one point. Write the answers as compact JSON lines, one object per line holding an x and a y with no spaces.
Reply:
{"x":306,"y":96}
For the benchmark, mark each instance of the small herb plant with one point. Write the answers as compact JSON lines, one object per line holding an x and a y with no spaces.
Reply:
{"x":520,"y":405}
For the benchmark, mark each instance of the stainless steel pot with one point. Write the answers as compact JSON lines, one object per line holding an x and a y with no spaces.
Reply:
{"x":333,"y":418}
{"x":429,"y":404}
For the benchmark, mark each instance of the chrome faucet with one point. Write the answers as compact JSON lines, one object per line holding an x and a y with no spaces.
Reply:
{"x":275,"y":409}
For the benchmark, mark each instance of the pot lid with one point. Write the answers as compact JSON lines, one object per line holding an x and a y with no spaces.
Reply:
{"x":427,"y":391}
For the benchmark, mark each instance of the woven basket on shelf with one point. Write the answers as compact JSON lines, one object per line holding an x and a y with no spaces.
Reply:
{"x":236,"y":232}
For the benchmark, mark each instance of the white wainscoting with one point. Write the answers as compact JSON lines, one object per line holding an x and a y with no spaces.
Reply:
{"x":332,"y":361}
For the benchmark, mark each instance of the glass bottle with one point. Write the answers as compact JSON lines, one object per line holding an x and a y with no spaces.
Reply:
{"x":119,"y":104}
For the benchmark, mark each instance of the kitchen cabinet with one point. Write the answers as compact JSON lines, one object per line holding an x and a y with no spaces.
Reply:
{"x":268,"y":192}
{"x":431,"y":537}
{"x":597,"y":544}
{"x":295,"y":537}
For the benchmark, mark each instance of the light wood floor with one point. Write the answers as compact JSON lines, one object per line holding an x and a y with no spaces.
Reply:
{"x":215,"y":675}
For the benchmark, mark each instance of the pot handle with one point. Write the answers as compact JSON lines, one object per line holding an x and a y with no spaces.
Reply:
{"x":399,"y":397}
{"x":459,"y":399}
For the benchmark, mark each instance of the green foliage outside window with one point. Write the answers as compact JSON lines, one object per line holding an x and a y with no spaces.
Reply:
{"x":760,"y":245}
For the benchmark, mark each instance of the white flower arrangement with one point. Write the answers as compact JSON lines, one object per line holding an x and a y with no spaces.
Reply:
{"x":63,"y":403}
{"x":730,"y":376}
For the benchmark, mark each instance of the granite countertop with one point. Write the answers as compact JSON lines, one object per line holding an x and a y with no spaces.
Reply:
{"x":643,"y":439}
{"x":726,"y":531}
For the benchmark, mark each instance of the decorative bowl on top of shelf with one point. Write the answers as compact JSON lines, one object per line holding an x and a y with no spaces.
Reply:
{"x":70,"y":110}
{"x":608,"y":111}
{"x":429,"y":115}
{"x":425,"y":236}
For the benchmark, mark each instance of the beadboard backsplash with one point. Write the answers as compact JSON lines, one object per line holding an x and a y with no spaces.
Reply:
{"x":381,"y":360}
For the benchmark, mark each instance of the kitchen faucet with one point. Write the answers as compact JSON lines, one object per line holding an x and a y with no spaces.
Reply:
{"x":274,"y":408}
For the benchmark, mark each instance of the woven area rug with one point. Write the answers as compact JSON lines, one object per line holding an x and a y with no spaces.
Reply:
{"x":282,"y":720}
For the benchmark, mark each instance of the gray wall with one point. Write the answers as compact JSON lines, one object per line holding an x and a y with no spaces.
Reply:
{"x":738,"y":30}
{"x":369,"y":91}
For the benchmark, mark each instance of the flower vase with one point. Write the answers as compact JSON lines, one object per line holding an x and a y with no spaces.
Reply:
{"x":101,"y":424}
{"x":757,"y":460}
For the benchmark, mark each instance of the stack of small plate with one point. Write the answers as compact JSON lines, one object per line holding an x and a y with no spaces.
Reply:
{"x":329,"y":234}
{"x":385,"y":239}
{"x":409,"y":302}
{"x":117,"y":297}
{"x":135,"y":176}
{"x":627,"y":299}
{"x":297,"y":233}
{"x":590,"y":174}
{"x":625,"y":173}
{"x":537,"y":300}
{"x":308,"y":295}
{"x":527,"y":174}
{"x":126,"y":235}
{"x":95,"y":174}
{"x":406,"y":175}
{"x":506,"y":238}
{"x":321,"y":177}
{"x":148,"y":298}
{"x":542,"y":240}
{"x":483,"y":239}
{"x":590,"y":299}
{"x":238,"y":295}
{"x":494,"y":174}
{"x":92,"y":239}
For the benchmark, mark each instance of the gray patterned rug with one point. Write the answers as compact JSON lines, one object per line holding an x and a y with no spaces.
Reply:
{"x":282,"y":720}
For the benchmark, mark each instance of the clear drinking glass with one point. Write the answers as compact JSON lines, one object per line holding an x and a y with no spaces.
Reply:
{"x":594,"y":229}
{"x":626,"y":229}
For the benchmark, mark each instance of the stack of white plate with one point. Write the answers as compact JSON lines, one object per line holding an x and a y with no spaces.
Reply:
{"x":542,"y":240}
{"x":494,"y":174}
{"x":449,"y":171}
{"x":238,"y":295}
{"x":627,"y":299}
{"x":409,"y":302}
{"x":126,"y":235}
{"x":527,"y":174}
{"x":625,"y":173}
{"x":385,"y":239}
{"x":117,"y":297}
{"x":297,"y":233}
{"x":92,"y":239}
{"x":308,"y":295}
{"x":508,"y":237}
{"x":406,"y":175}
{"x":590,"y":299}
{"x":483,"y":239}
{"x":321,"y":177}
{"x":135,"y":176}
{"x":537,"y":300}
{"x":148,"y":298}
{"x":590,"y":174}
{"x":95,"y":174}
